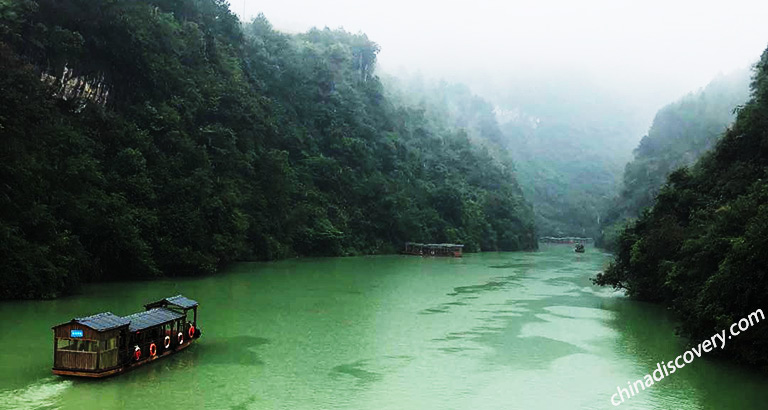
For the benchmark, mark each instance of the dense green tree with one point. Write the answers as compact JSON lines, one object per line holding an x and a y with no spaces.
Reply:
{"x":167,"y":138}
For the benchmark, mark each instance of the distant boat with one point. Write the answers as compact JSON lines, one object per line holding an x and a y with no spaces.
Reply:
{"x":579,"y":248}
{"x":105,"y":344}
{"x":433,"y":249}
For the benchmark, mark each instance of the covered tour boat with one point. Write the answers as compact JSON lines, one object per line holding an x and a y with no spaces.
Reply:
{"x":433,"y":249}
{"x":105,"y":344}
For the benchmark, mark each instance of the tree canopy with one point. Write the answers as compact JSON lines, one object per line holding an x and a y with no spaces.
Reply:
{"x":143,"y":139}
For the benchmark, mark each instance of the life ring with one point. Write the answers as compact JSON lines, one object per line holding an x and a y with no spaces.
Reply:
{"x":180,"y":338}
{"x":152,"y":350}
{"x":167,"y":342}
{"x":137,"y":353}
{"x":191,"y":332}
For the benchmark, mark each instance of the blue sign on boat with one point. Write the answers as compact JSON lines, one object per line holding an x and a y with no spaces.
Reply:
{"x":75,"y":333}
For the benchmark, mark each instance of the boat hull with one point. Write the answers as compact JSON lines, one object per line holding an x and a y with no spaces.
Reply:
{"x":120,"y":369}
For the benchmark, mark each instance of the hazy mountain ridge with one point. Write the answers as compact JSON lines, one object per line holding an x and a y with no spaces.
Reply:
{"x":681,"y":132}
{"x":700,"y":248}
{"x":565,"y":171}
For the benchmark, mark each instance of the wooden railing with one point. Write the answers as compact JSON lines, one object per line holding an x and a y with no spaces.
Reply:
{"x":75,"y":360}
{"x":108,"y":359}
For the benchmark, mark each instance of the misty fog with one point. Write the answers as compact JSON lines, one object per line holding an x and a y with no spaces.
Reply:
{"x":584,"y":77}
{"x":623,"y":59}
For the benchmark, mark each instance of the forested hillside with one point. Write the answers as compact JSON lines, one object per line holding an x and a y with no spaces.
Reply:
{"x":150,"y":138}
{"x":681,"y":132}
{"x":701,"y":248}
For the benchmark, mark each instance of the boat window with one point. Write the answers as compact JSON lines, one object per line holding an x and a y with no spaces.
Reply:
{"x":66,"y":344}
{"x":74,"y":345}
{"x":109,"y":344}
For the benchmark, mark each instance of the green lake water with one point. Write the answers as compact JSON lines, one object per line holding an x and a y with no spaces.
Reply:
{"x":488,"y":331}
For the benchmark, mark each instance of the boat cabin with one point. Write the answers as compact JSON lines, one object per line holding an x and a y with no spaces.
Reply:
{"x":90,"y":343}
{"x":434,"y":249}
{"x":103,"y":344}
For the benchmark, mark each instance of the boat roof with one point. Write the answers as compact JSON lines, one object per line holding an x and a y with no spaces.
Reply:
{"x":150,"y":318}
{"x":102,"y":321}
{"x":156,"y":314}
{"x":178,"y":300}
{"x":436,"y":245}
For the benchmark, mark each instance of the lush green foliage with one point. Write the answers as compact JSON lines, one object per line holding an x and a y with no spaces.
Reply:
{"x":165,"y":138}
{"x":679,"y":135}
{"x":701,"y":248}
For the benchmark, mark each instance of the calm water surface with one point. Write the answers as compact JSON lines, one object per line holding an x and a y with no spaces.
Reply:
{"x":489,"y":331}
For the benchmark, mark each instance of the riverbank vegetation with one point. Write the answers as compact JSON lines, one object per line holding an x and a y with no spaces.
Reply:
{"x":143,"y":139}
{"x":701,"y":247}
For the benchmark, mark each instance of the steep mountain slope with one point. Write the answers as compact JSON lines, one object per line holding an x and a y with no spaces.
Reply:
{"x":701,"y":248}
{"x":680,"y":134}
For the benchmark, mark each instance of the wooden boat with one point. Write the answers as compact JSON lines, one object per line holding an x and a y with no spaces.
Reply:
{"x":566,"y":239}
{"x":433,"y":249}
{"x":105,"y":344}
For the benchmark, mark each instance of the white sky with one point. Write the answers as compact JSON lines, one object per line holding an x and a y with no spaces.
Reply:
{"x":651,"y":50}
